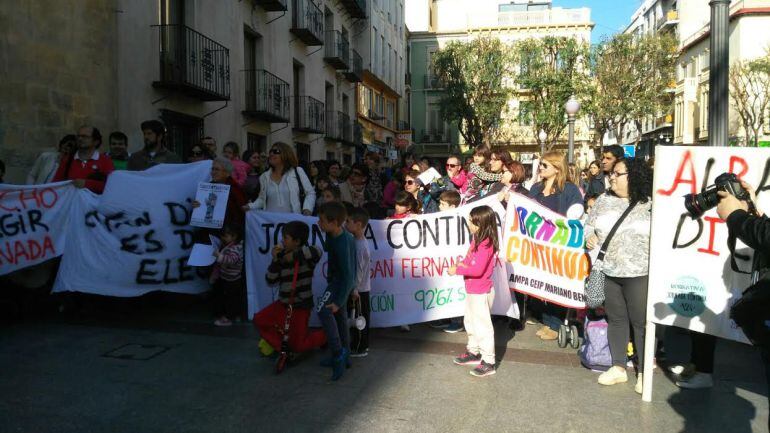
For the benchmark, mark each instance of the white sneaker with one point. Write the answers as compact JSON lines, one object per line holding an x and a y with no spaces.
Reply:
{"x":682,"y":370}
{"x":697,"y":381}
{"x":638,"y":386}
{"x":613,"y":376}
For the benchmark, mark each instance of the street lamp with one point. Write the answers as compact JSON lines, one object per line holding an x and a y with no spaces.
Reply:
{"x":542,"y":136}
{"x":572,"y":106}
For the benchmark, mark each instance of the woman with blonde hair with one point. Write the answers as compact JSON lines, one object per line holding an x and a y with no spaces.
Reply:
{"x":284,"y":184}
{"x":557,"y":193}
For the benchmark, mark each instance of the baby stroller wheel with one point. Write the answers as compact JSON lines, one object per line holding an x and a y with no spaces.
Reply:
{"x":562,"y":340}
{"x":574,"y":338}
{"x":280,"y":363}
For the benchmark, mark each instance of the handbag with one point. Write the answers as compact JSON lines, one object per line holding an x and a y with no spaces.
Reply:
{"x":594,"y":289}
{"x":302,"y":193}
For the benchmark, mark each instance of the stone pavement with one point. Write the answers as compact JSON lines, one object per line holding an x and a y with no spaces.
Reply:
{"x":177,"y":373}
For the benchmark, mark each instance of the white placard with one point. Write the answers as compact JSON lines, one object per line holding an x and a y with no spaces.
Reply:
{"x":213,"y":205}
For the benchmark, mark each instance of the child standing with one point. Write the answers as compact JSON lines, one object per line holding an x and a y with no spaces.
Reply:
{"x":476,"y":268}
{"x":340,"y":278}
{"x":446,"y":201}
{"x":356,"y":224}
{"x":227,"y":277}
{"x":294,"y":258}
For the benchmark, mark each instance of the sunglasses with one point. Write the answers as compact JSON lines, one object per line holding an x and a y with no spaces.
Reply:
{"x":452,"y":165}
{"x":409,"y":182}
{"x":275,"y":151}
{"x":197,"y":153}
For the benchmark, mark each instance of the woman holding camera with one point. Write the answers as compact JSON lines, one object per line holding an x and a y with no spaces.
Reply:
{"x":626,"y":260}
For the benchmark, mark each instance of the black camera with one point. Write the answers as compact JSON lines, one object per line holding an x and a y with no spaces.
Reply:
{"x":698,"y":204}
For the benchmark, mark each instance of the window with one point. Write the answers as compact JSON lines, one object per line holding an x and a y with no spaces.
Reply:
{"x":704,"y":61}
{"x":182,"y":131}
{"x":512,"y":7}
{"x":347,"y":159}
{"x":391,"y":115}
{"x":256,"y":142}
{"x":330,"y":156}
{"x":303,"y":153}
{"x":525,"y":113}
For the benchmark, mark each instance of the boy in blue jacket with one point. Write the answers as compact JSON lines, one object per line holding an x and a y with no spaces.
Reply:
{"x":331,"y":308}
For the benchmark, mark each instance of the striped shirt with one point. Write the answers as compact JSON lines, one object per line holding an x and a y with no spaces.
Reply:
{"x":230,"y":262}
{"x":281,"y":272}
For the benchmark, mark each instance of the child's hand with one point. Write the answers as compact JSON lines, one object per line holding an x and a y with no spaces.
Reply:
{"x":452,"y":270}
{"x":355,"y":296}
{"x":215,"y":253}
{"x":276,"y":251}
{"x":333,"y":307}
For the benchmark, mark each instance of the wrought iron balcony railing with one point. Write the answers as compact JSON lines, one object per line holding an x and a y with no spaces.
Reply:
{"x":339,"y":127}
{"x":356,"y":8}
{"x":403,"y":125}
{"x":336,"y":50}
{"x":192,"y":63}
{"x":432,"y":82}
{"x":267,"y":97}
{"x":433,"y":136}
{"x":355,"y":72}
{"x":308,"y":115}
{"x":307,"y":22}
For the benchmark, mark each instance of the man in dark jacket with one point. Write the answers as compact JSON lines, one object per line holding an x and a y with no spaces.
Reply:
{"x":154,"y":151}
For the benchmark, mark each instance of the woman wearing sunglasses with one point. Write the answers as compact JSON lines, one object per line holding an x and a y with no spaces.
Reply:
{"x":557,"y":193}
{"x":198,"y":153}
{"x":284,"y":186}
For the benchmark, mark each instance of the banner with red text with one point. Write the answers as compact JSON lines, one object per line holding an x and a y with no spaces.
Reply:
{"x":136,"y":237}
{"x":692,"y":284}
{"x":545,"y":250}
{"x":33,"y":223}
{"x":410,"y":258}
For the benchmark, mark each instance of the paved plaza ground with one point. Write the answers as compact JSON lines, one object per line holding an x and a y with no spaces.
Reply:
{"x":165,"y":368}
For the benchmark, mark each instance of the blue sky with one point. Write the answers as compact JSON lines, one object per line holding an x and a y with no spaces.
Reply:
{"x":610,"y":16}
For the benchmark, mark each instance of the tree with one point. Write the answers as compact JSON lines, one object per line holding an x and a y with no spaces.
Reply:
{"x":630,"y":78}
{"x":472,"y":77}
{"x":551,"y":69}
{"x":749,"y":86}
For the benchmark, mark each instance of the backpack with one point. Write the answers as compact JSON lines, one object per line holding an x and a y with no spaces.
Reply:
{"x":595,"y":352}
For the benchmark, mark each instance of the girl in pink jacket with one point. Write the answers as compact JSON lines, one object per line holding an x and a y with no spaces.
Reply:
{"x":476,"y":269}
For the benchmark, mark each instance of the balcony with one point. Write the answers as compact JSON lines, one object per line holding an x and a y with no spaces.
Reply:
{"x":308,"y":115}
{"x":336,"y":50}
{"x":193,"y":64}
{"x":431,"y":82}
{"x":554,"y":16}
{"x":355,"y":73}
{"x":272,"y":5}
{"x":403,"y":125}
{"x":356,"y":8}
{"x":433,"y":136}
{"x":307,"y":22}
{"x":670,"y":20}
{"x":339,"y":127}
{"x":267,"y":97}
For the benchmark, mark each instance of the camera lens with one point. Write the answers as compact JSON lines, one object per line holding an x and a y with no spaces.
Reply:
{"x":691,"y":203}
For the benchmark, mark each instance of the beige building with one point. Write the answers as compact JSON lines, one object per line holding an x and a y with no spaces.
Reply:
{"x":749,"y":39}
{"x":435,"y":23}
{"x":250,"y":71}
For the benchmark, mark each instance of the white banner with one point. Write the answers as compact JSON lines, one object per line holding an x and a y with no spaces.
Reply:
{"x":692,"y":284}
{"x":136,"y":237}
{"x":546,"y":252}
{"x":410,"y":258}
{"x":33,"y":223}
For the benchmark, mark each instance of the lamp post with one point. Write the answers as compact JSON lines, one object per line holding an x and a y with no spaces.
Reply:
{"x":572,"y":106}
{"x":719,"y":58}
{"x":542,"y":136}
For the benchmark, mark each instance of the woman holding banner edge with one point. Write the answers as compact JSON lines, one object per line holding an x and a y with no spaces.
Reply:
{"x":626,"y":262}
{"x":555,"y":192}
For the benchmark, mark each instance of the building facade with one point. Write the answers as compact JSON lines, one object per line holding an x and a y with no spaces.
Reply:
{"x":433,"y":24}
{"x":654,"y":17}
{"x":250,"y":71}
{"x":749,"y":39}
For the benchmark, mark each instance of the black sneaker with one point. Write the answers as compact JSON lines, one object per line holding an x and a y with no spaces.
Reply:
{"x":483,"y":369}
{"x":468,"y":358}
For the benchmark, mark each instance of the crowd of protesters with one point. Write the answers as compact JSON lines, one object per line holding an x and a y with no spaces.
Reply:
{"x":276,"y":181}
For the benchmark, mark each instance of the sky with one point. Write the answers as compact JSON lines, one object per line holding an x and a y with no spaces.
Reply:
{"x":609,"y":16}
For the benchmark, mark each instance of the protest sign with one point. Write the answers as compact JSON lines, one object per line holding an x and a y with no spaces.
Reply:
{"x":546,"y":252}
{"x":136,"y":237}
{"x":33,"y":223}
{"x":692,"y":284}
{"x":212,"y":198}
{"x":410,"y":258}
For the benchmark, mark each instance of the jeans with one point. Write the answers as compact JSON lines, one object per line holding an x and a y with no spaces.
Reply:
{"x":336,"y":327}
{"x":625,"y":300}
